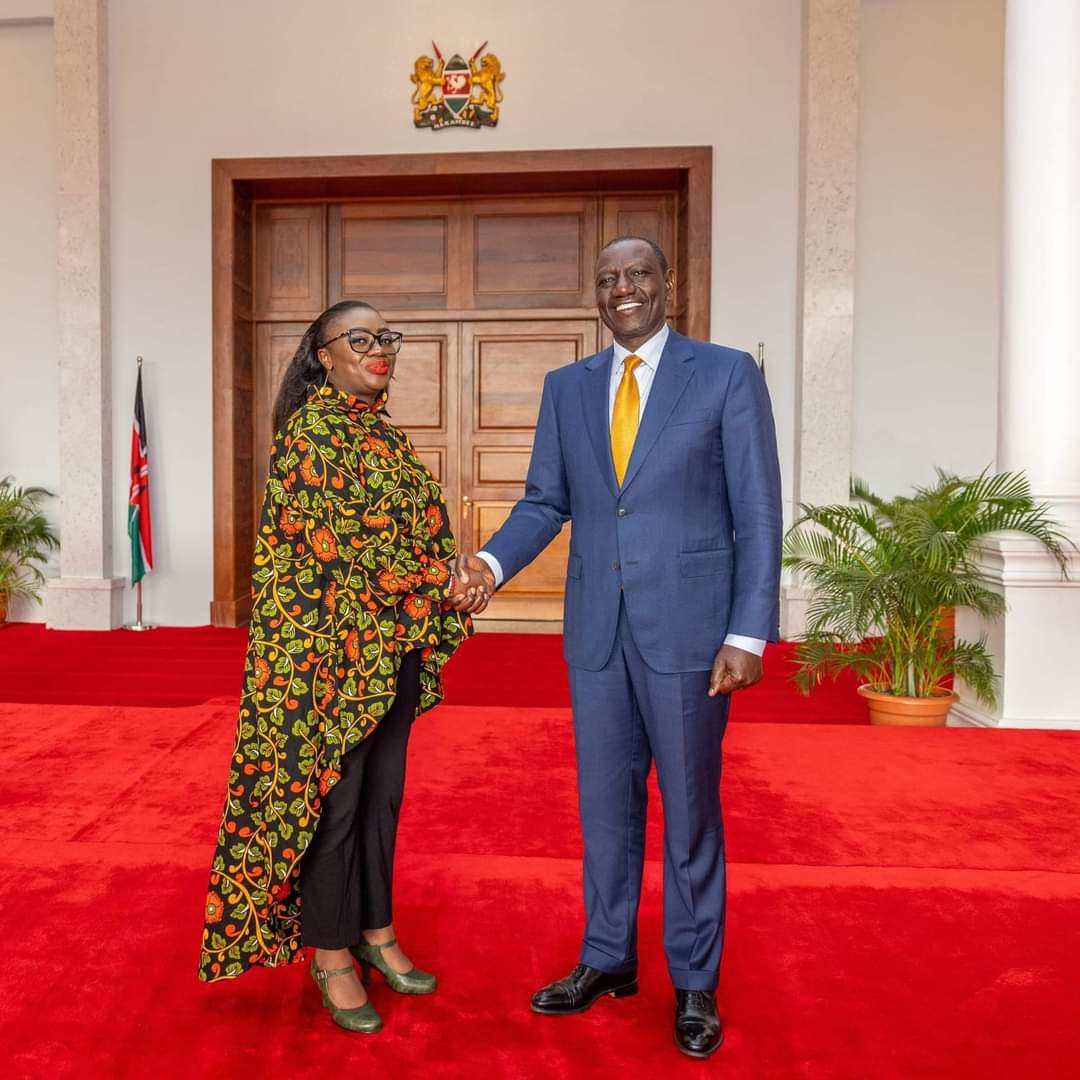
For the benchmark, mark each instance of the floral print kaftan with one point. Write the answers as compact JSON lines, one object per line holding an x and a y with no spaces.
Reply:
{"x":352,"y":566}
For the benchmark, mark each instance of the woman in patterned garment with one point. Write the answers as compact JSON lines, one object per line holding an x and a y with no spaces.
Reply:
{"x":354,"y":614}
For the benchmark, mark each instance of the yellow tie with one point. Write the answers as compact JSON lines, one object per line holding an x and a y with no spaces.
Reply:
{"x":625,"y":417}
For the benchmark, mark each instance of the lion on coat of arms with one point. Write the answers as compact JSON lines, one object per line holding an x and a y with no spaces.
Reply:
{"x":487,"y":73}
{"x":428,"y":78}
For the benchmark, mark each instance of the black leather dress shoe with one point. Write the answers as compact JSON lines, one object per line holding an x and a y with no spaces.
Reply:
{"x":580,"y":989}
{"x":697,"y":1027}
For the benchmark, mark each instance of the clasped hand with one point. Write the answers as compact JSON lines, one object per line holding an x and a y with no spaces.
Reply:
{"x":474,"y":585}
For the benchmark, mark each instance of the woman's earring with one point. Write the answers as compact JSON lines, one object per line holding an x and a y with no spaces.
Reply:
{"x":326,"y":375}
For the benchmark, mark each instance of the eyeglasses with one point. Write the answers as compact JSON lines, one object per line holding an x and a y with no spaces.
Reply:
{"x":363,"y":341}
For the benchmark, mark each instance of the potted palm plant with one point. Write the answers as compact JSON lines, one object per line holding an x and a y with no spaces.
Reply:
{"x":887,"y":574}
{"x":26,"y":537}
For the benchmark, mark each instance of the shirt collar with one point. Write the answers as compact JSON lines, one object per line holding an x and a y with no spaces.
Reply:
{"x":650,"y":352}
{"x":328,"y":396}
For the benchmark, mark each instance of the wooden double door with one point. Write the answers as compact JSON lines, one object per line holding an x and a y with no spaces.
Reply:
{"x":491,"y":293}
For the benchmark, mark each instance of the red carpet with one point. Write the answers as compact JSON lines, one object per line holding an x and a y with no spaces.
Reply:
{"x":902,"y":905}
{"x":188,"y":665}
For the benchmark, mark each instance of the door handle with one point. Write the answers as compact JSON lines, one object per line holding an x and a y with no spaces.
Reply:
{"x":466,"y":501}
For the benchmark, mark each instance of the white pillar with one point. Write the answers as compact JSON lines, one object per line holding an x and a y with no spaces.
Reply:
{"x":85,"y":596}
{"x":826,"y":287}
{"x":1036,"y":645}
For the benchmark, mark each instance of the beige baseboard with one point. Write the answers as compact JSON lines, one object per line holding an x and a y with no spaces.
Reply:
{"x":517,"y":626}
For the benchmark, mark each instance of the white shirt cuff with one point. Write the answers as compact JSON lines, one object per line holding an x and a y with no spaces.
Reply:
{"x":496,"y":569}
{"x":747,"y":644}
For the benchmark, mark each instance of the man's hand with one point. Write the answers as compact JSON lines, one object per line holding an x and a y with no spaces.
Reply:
{"x":474,"y":585}
{"x":733,"y":669}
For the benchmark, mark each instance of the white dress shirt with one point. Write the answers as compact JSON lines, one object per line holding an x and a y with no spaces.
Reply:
{"x":649,"y":354}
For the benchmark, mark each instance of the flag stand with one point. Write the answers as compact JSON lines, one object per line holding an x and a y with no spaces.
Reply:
{"x":139,"y":505}
{"x":138,"y":624}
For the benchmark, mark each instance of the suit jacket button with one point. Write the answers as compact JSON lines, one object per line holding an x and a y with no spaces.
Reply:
{"x":614,"y":566}
{"x":623,"y":511}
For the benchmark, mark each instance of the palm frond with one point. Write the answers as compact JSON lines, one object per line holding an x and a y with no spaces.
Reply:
{"x":972,"y":662}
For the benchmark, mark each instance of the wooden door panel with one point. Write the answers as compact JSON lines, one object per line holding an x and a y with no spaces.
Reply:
{"x":531,"y":253}
{"x":507,"y":362}
{"x":504,"y":364}
{"x":528,"y":253}
{"x":543,"y":577}
{"x":290,"y":261}
{"x":419,"y":391}
{"x":510,"y":374}
{"x":391,"y":254}
{"x":424,"y":402}
{"x":502,"y":465}
{"x":435,"y":459}
{"x":275,"y":345}
{"x":650,"y":216}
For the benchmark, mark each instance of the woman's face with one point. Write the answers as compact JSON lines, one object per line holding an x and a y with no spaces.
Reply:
{"x":364,"y":376}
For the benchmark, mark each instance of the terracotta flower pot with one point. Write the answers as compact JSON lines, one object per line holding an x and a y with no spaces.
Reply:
{"x":888,"y":709}
{"x":3,"y":607}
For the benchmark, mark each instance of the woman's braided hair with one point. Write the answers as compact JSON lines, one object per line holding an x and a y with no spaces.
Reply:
{"x":304,"y":369}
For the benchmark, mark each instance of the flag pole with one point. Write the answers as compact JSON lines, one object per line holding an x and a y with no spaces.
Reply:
{"x":138,"y":624}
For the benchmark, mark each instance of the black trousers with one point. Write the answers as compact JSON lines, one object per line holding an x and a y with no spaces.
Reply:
{"x":346,"y":878}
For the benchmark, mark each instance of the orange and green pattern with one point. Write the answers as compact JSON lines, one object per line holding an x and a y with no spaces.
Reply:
{"x":352,"y":567}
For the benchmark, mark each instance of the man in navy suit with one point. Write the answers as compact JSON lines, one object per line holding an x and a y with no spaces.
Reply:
{"x":661,"y":451}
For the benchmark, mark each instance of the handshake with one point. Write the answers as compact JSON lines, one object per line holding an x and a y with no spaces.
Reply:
{"x":474,"y":585}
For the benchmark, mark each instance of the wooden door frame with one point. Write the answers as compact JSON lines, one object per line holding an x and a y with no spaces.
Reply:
{"x":235,"y":182}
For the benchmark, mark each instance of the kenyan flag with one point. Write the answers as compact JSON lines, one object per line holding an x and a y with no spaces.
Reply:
{"x":142,"y":557}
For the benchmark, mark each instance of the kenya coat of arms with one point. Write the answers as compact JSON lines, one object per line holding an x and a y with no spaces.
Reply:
{"x":456,"y":92}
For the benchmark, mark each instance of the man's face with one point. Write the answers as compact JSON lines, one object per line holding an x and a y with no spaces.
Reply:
{"x":632,"y":291}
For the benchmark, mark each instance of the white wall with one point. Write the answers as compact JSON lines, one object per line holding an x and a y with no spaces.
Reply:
{"x":28,"y":370}
{"x":251,"y":77}
{"x":194,"y":81}
{"x":928,"y":248}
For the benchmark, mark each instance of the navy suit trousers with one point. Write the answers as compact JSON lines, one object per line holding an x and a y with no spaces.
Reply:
{"x":627,"y":715}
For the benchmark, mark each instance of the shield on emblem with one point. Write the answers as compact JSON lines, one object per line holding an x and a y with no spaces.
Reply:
{"x":456,"y":84}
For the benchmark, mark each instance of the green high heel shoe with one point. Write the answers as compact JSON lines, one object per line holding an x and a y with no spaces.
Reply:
{"x":362,"y":1018}
{"x":412,"y":982}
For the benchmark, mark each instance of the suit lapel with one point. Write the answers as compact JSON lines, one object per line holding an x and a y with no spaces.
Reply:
{"x":672,"y":375}
{"x":595,"y":403}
